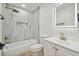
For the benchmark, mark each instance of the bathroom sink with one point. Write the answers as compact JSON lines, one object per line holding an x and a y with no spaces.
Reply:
{"x":63,"y":41}
{"x":67,"y":42}
{"x":58,"y":41}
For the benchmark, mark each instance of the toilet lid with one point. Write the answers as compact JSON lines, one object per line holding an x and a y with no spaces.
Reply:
{"x":36,"y":46}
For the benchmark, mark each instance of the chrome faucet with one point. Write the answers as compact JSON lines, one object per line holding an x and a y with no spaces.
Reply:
{"x":62,"y":36}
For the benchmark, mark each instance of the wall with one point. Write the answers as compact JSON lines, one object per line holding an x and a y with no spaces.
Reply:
{"x":36,"y":24}
{"x":18,"y":26}
{"x":70,"y":33}
{"x":47,"y":24}
{"x":45,"y":19}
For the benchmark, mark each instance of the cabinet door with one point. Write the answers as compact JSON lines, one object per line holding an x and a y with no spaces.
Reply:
{"x":49,"y":49}
{"x":62,"y":53}
{"x":65,"y":52}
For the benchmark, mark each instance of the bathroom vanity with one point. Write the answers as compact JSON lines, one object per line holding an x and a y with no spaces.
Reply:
{"x":56,"y":47}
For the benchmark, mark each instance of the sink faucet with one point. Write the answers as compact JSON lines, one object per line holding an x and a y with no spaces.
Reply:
{"x":62,"y":36}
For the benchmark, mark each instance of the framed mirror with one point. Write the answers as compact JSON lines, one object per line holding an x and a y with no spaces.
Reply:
{"x":65,"y":15}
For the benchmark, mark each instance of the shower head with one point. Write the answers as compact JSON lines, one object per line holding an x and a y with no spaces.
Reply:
{"x":13,"y":9}
{"x":16,"y":11}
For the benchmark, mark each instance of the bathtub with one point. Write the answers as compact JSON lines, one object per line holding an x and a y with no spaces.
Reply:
{"x":17,"y":48}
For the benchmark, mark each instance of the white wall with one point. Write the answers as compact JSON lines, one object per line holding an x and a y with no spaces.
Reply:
{"x":45,"y":19}
{"x":18,"y":31}
{"x":47,"y":24}
{"x":36,"y":24}
{"x":70,"y":33}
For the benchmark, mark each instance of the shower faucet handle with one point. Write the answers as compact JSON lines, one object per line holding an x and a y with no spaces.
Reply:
{"x":1,"y":17}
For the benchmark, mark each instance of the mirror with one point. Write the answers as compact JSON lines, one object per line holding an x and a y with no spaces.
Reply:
{"x":65,"y":15}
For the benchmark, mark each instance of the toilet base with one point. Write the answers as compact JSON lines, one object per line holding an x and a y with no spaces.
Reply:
{"x":39,"y":53}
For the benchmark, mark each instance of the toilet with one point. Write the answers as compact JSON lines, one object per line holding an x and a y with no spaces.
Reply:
{"x":37,"y":50}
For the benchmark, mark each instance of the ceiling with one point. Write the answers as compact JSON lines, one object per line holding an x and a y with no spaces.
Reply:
{"x":28,"y":6}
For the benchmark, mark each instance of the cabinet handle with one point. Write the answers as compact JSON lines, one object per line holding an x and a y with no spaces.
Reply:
{"x":53,"y":47}
{"x":56,"y":49}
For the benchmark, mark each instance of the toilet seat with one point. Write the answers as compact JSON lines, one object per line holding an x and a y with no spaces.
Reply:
{"x":36,"y":47}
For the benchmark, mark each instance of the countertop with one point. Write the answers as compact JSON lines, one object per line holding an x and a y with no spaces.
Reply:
{"x":72,"y":45}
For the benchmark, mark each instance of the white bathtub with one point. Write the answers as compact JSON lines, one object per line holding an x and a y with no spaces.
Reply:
{"x":17,"y":48}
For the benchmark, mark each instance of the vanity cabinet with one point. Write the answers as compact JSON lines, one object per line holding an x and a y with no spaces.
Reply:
{"x":51,"y":49}
{"x":61,"y":51}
